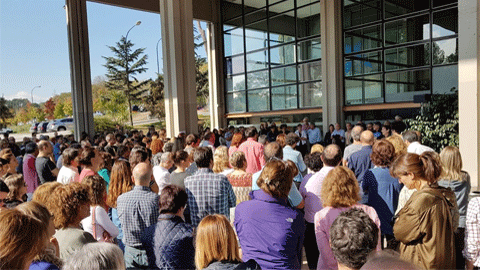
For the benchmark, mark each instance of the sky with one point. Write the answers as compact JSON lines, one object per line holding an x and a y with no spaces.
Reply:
{"x":34,"y":44}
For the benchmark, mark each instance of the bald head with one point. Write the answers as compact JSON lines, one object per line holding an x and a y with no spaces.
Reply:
{"x":142,"y":174}
{"x":356,"y":131}
{"x":332,"y":155}
{"x":367,"y":138}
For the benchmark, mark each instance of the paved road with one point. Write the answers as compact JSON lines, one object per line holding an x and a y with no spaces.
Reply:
{"x":19,"y":136}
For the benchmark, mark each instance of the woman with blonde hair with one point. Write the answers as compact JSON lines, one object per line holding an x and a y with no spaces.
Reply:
{"x":18,"y":190}
{"x":44,"y":192}
{"x":241,"y":180}
{"x":340,"y":192}
{"x":281,"y":139}
{"x":220,"y":161}
{"x":216,"y":245}
{"x":459,"y":181}
{"x":398,"y":144}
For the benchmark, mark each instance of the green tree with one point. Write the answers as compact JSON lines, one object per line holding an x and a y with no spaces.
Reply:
{"x":5,"y":112}
{"x":201,"y":65}
{"x":122,"y":69}
{"x":154,"y":102}
{"x":59,"y":113}
{"x":114,"y":104}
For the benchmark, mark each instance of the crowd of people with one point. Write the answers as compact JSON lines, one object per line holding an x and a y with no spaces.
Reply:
{"x":370,"y":196}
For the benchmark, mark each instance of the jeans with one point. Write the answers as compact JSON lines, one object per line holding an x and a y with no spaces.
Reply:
{"x":135,"y":258}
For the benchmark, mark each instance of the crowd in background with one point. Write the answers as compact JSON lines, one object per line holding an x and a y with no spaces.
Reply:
{"x":370,"y":196}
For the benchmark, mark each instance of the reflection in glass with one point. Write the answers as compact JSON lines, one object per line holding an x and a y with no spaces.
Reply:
{"x":353,"y":92}
{"x":282,"y":55}
{"x":236,"y":102}
{"x":445,"y":51}
{"x":256,"y":36}
{"x":255,"y":16}
{"x":364,"y":63}
{"x":233,"y":41}
{"x":310,"y":71}
{"x":306,"y":2}
{"x":445,"y":23}
{"x":361,"y":12}
{"x":373,"y":89}
{"x":402,"y":86}
{"x":257,"y":79}
{"x":282,"y":28}
{"x":253,"y":4}
{"x":230,"y":10}
{"x":284,"y":75}
{"x":282,"y":7}
{"x":258,"y":100}
{"x":309,"y":50}
{"x":235,"y":83}
{"x":308,"y":20}
{"x":407,"y":30}
{"x":395,"y":8}
{"x":444,"y":78}
{"x":284,"y":97}
{"x":235,"y":64}
{"x":407,"y":57}
{"x":257,"y":60}
{"x":310,"y":94}
{"x":363,"y":39}
{"x":438,"y":3}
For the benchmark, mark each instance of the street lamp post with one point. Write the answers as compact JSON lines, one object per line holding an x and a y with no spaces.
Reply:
{"x":158,"y":63}
{"x":126,"y":73}
{"x":31,"y":92}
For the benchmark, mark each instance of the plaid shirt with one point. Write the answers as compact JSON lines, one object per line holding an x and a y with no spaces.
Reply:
{"x":208,"y":193}
{"x":137,"y":210}
{"x":472,"y":232}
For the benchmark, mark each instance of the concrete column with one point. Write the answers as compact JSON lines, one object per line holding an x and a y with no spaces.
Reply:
{"x":469,"y":85}
{"x":179,"y":66}
{"x":80,"y":66}
{"x":332,"y":62}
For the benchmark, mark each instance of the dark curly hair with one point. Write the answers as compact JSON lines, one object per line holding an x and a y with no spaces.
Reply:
{"x":65,"y":203}
{"x":97,"y":188}
{"x":314,"y":161}
{"x":383,"y":153}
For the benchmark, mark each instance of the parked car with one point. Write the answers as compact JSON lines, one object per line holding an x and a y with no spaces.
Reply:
{"x":42,"y":127}
{"x":61,"y":124}
{"x":33,"y":128}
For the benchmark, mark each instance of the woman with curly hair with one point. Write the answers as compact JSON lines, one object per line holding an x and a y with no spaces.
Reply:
{"x":120,"y":182}
{"x":156,"y":146}
{"x":70,"y":204}
{"x":340,"y":192}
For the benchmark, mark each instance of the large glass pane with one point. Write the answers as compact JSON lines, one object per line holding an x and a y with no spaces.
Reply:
{"x":445,"y":51}
{"x":364,"y":63}
{"x":255,"y":16}
{"x":235,"y":83}
{"x":284,"y":97}
{"x":233,"y":41}
{"x":282,"y":6}
{"x":309,"y":50}
{"x":306,"y":2}
{"x":407,"y":57}
{"x":234,"y":23}
{"x":363,"y":39}
{"x":231,"y":10}
{"x":403,"y":86}
{"x":445,"y":23}
{"x":282,"y":55}
{"x":395,"y":8}
{"x":444,"y":79}
{"x":310,"y":71}
{"x":236,"y":102}
{"x":253,"y":4}
{"x":353,"y":91}
{"x":373,"y":89}
{"x":282,"y":28}
{"x":310,"y":94}
{"x":256,"y":36}
{"x":257,"y":79}
{"x":284,"y":75}
{"x":439,"y":3}
{"x":258,"y":100}
{"x":361,"y":11}
{"x":308,"y":21}
{"x":257,"y":60}
{"x":235,"y":64}
{"x":407,"y":30}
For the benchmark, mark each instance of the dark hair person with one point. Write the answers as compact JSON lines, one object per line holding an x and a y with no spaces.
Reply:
{"x":425,"y":226}
{"x":181,"y":160}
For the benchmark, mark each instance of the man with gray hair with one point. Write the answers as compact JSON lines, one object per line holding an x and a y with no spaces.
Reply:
{"x":99,"y":255}
{"x":160,"y":171}
{"x":412,"y":140}
{"x":355,"y":146}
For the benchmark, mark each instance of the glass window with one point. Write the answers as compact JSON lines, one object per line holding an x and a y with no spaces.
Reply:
{"x":301,"y":3}
{"x":365,"y":63}
{"x":282,"y":6}
{"x":282,"y":55}
{"x":284,"y":97}
{"x":439,"y":3}
{"x":445,"y":23}
{"x":253,"y":4}
{"x":308,"y":21}
{"x":361,"y":11}
{"x":284,"y":75}
{"x":444,"y":79}
{"x":373,"y":88}
{"x":271,"y":2}
{"x":257,"y":79}
{"x":353,"y":91}
{"x":407,"y":57}
{"x":255,"y":16}
{"x":407,"y":30}
{"x":236,"y":102}
{"x":363,"y":39}
{"x":233,"y":41}
{"x":230,"y":10}
{"x":309,"y":50}
{"x":445,"y":51}
{"x":256,"y":36}
{"x":282,"y":28}
{"x":403,"y":86}
{"x":257,"y":60}
{"x":310,"y":71}
{"x":258,"y":100}
{"x":237,"y":22}
{"x":235,"y":83}
{"x":395,"y":8}
{"x":310,"y":94}
{"x":235,"y":64}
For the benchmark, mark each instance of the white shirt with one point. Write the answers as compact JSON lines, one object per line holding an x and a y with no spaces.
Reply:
{"x":67,"y":175}
{"x":103,"y":223}
{"x":303,"y":134}
{"x":417,"y":148}
{"x":162,"y":177}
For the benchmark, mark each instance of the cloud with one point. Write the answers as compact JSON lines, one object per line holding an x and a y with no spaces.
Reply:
{"x":23,"y":94}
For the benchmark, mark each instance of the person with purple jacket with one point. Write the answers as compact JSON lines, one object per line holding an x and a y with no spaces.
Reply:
{"x":271,"y":232}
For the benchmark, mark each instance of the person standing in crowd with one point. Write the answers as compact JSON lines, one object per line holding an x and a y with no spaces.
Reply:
{"x":425,"y":226}
{"x":229,"y":135}
{"x":360,"y":161}
{"x":339,"y":132}
{"x":459,"y":181}
{"x":302,"y":144}
{"x":237,"y":140}
{"x":353,"y":238}
{"x":272,"y":134}
{"x":220,"y":161}
{"x":328,"y":136}
{"x":279,"y":248}
{"x":47,"y":171}
{"x":4,"y":190}
{"x":181,"y":160}
{"x":137,"y":209}
{"x":411,"y":139}
{"x":355,"y":146}
{"x":169,"y":242}
{"x":17,"y":190}
{"x":89,"y":160}
{"x":253,"y":151}
{"x":348,"y":135}
{"x":208,"y":193}
{"x":105,"y":167}
{"x":340,"y":192}
{"x":386,"y":130}
{"x":289,"y":153}
{"x":471,"y":252}
{"x":160,"y":171}
{"x":97,"y":256}
{"x":240,"y":180}
{"x":380,"y":188}
{"x":12,"y":162}
{"x":69,"y":171}
{"x":314,"y":135}
{"x":377,"y":127}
